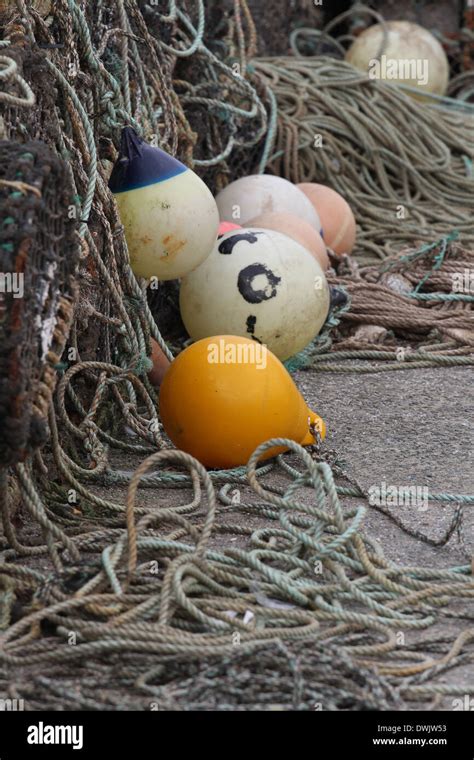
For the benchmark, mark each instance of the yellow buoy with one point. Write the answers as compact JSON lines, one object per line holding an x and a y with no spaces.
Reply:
{"x":169,"y":215}
{"x":225,"y":395}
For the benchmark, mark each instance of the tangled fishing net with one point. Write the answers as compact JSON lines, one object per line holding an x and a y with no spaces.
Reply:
{"x":274,"y":676}
{"x":124,"y":564}
{"x":37,"y":308}
{"x":406,"y":171}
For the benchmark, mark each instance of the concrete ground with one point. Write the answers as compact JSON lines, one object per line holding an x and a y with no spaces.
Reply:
{"x":405,"y":428}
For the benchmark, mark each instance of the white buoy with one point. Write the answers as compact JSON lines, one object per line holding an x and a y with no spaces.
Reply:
{"x":401,"y":52}
{"x":258,"y":284}
{"x":169,"y":215}
{"x":258,"y":194}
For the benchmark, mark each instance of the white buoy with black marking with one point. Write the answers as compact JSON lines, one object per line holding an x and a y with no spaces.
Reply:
{"x":259,"y":284}
{"x":169,"y":215}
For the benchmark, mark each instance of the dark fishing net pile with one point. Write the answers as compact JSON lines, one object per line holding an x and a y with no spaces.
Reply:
{"x":277,"y":676}
{"x":123,"y":561}
{"x":39,"y":249}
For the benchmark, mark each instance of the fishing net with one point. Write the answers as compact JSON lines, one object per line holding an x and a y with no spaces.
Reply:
{"x":412,"y":302}
{"x":39,"y":253}
{"x":276,"y":676}
{"x":441,"y":18}
{"x":338,"y":127}
{"x":411,"y":191}
{"x":173,"y":583}
{"x":302,"y":679}
{"x":416,"y":307}
{"x":120,"y":554}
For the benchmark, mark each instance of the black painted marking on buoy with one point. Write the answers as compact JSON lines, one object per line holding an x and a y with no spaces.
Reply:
{"x":227,"y":246}
{"x":246,"y":278}
{"x":251,"y":322}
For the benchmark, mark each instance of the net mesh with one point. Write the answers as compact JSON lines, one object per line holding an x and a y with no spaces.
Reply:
{"x":39,"y":251}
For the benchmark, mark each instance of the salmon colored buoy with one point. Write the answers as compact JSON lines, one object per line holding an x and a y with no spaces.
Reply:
{"x":257,"y":194}
{"x":227,"y":227}
{"x":337,"y":220}
{"x":225,"y":395}
{"x":169,"y":215}
{"x":297,"y":229}
{"x":160,"y":364}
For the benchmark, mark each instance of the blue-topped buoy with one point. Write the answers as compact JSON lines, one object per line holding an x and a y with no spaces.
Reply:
{"x":169,"y":215}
